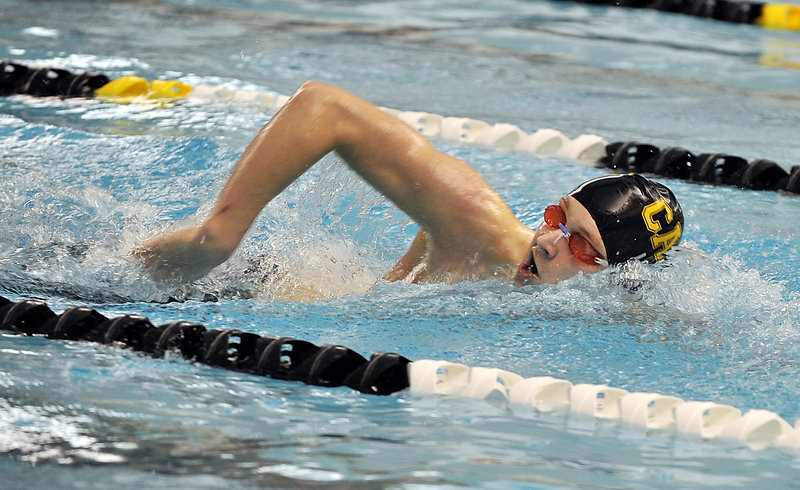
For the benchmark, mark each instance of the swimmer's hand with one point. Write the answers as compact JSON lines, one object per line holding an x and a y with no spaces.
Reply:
{"x":181,"y":256}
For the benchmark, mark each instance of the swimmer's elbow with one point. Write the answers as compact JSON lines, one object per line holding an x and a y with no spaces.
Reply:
{"x":314,"y":91}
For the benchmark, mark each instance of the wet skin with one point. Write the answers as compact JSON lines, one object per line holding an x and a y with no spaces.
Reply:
{"x":549,"y":259}
{"x":468,"y":232}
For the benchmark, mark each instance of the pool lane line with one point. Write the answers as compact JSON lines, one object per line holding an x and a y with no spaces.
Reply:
{"x":625,"y":156}
{"x":779,"y":16}
{"x":282,"y":358}
{"x":291,"y":359}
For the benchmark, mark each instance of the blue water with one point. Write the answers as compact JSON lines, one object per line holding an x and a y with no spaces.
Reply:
{"x":83,"y":182}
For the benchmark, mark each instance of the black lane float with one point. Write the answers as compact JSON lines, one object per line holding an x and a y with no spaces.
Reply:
{"x":283,"y":358}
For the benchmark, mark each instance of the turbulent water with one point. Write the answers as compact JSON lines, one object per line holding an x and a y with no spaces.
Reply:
{"x":83,"y":182}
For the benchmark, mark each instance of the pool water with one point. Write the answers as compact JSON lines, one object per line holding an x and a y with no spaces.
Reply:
{"x":85,"y":181}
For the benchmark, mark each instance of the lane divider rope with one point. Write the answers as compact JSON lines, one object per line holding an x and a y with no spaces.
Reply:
{"x":589,"y":149}
{"x":783,"y":16}
{"x":387,"y":373}
{"x":291,"y":359}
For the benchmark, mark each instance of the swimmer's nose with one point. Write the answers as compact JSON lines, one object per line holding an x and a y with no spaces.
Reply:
{"x":549,"y":242}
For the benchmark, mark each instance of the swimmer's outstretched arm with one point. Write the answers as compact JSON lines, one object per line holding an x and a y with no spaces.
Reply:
{"x":442,"y":194}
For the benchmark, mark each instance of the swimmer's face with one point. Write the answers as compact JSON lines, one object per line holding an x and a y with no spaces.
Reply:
{"x":550,"y":259}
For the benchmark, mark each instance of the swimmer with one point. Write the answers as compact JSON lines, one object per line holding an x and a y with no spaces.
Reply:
{"x":468,"y":232}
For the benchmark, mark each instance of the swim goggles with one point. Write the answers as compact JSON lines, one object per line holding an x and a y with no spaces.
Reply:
{"x":580,"y":247}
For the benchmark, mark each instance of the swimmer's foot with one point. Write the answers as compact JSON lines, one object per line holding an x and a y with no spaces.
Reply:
{"x":181,"y":256}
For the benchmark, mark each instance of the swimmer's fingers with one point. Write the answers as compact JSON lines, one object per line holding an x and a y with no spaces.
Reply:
{"x":145,"y":254}
{"x":151,"y":260}
{"x":181,"y":256}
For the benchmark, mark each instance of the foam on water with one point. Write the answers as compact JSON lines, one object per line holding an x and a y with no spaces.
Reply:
{"x":330,"y":236}
{"x":84,"y":182}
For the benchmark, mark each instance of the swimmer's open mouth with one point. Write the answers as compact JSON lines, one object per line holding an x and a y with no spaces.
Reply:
{"x":528,"y":269}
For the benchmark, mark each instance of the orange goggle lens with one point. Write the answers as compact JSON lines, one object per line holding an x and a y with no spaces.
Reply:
{"x":580,"y":247}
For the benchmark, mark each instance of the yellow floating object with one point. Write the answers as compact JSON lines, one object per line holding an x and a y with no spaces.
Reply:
{"x":780,"y":16}
{"x":168,"y":89}
{"x":125,"y":88}
{"x":129,"y":89}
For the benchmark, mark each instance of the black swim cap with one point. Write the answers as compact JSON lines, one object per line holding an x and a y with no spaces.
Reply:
{"x":637,"y":218}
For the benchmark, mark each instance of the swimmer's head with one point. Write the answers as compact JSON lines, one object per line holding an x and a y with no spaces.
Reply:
{"x":638,"y":219}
